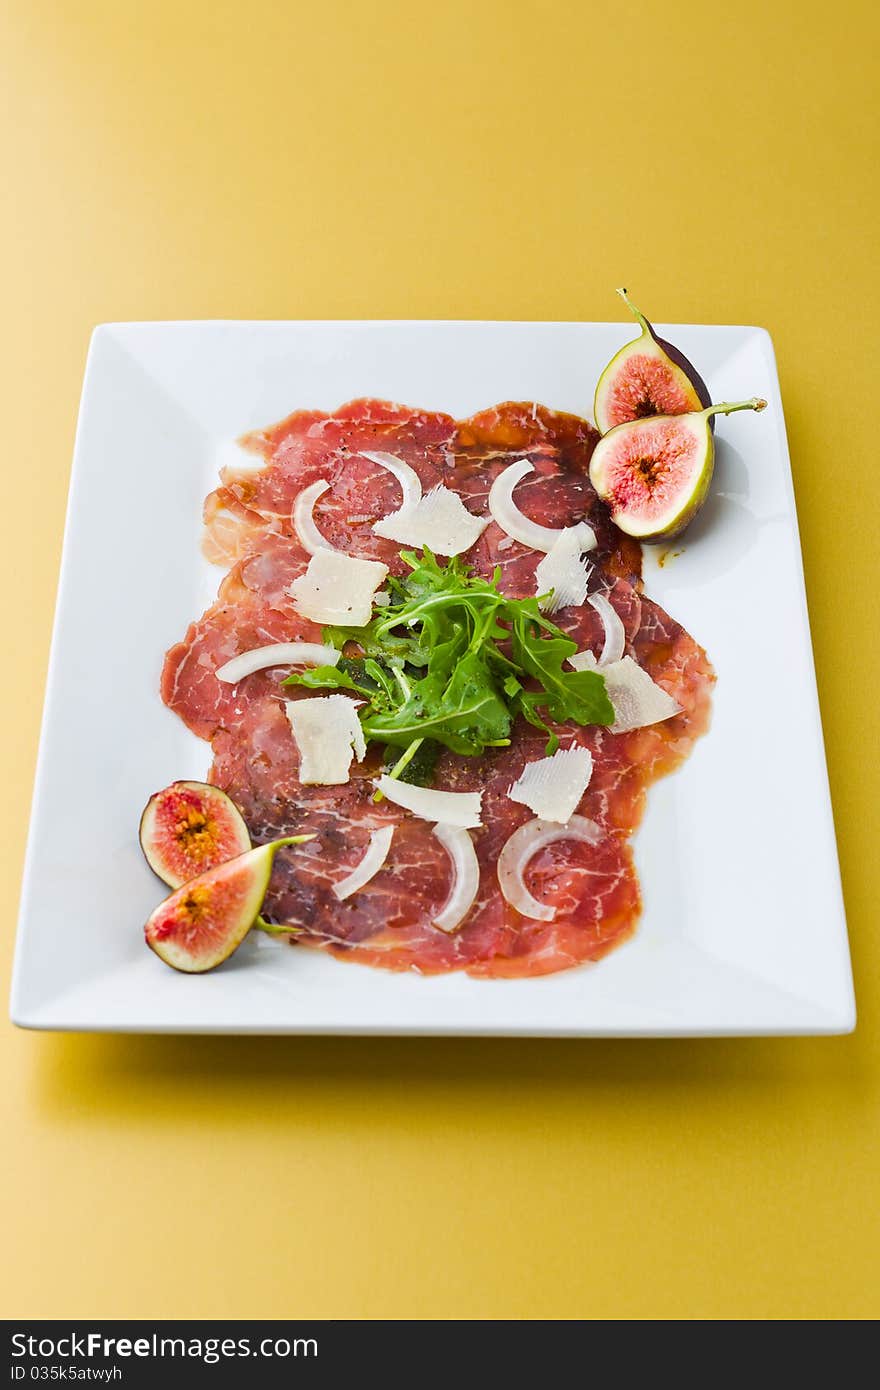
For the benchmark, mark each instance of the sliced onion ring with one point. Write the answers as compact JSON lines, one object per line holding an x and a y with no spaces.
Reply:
{"x":303,"y":520}
{"x":277,"y":654}
{"x":514,"y":523}
{"x":615,"y":635}
{"x":374,"y":857}
{"x":406,"y":476}
{"x":449,"y":808}
{"x":523,"y":845}
{"x":466,"y":876}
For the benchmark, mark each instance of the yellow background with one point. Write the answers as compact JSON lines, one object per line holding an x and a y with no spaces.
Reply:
{"x":514,"y":160}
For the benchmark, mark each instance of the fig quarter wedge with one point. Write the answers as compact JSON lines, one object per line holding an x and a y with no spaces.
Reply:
{"x":188,"y":828}
{"x":655,"y":473}
{"x":203,"y":922}
{"x":647,"y":377}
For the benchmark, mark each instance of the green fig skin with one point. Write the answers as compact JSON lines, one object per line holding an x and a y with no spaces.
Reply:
{"x":693,"y":489}
{"x":202,"y":923}
{"x":683,"y":379}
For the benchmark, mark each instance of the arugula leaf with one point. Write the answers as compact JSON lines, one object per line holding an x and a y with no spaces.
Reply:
{"x":368,"y":678}
{"x":403,"y":646}
{"x":465,"y":712}
{"x":451,"y":661}
{"x":566,"y":694}
{"x":419,"y":770}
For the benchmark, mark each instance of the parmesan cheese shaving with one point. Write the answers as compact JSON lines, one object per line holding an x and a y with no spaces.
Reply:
{"x":583,"y":661}
{"x":563,"y":569}
{"x":439,"y":520}
{"x":553,"y":787}
{"x":338,"y":588}
{"x":637,"y":699}
{"x":327,"y":733}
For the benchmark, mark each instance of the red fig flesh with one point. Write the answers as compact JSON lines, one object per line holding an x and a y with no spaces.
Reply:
{"x":188,"y":828}
{"x":655,"y":473}
{"x":649,"y":376}
{"x":202,"y":923}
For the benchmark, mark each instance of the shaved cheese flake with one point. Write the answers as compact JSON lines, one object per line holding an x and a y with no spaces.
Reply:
{"x":439,"y":520}
{"x":277,"y":654}
{"x":637,"y":699}
{"x":466,"y":876}
{"x":338,"y":588}
{"x":448,"y":808}
{"x":583,"y":661}
{"x":406,"y":476}
{"x":563,"y":573}
{"x":303,"y":520}
{"x":374,"y":857}
{"x":512,"y":521}
{"x":327,"y":732}
{"x":615,"y":635}
{"x":522,"y":846}
{"x":553,"y":787}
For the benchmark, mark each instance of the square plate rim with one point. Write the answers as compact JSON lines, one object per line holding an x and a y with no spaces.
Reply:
{"x":49,"y":1019}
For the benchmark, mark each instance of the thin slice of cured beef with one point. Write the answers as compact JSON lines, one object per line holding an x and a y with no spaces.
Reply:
{"x":389,"y":922}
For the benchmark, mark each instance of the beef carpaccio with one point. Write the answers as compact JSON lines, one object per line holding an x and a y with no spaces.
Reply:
{"x":389,"y":923}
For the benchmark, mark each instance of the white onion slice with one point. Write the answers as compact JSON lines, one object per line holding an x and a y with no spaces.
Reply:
{"x":512,"y":521}
{"x":303,"y":520}
{"x":522,"y":846}
{"x":277,"y":654}
{"x":374,"y":857}
{"x":406,"y":476}
{"x":448,"y":808}
{"x":439,"y":520}
{"x":615,"y":635}
{"x":466,"y":876}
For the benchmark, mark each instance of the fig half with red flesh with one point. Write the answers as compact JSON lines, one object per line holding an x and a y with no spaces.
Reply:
{"x":649,"y":376}
{"x":188,"y":828}
{"x":201,"y":924}
{"x":655,"y":473}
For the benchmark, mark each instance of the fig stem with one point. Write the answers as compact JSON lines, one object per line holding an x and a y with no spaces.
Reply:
{"x":636,"y":313}
{"x":271,"y":929}
{"x":728,"y":407}
{"x":290,"y":840}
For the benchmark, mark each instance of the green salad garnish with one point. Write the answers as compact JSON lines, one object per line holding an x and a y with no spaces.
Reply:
{"x":452,"y":661}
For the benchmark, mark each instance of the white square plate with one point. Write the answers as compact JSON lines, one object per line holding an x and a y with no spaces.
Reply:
{"x":743,"y":928}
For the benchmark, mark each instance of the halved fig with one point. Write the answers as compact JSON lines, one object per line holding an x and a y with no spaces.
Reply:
{"x":655,"y":474}
{"x":188,"y":828}
{"x":202,"y":923}
{"x":647,"y":377}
